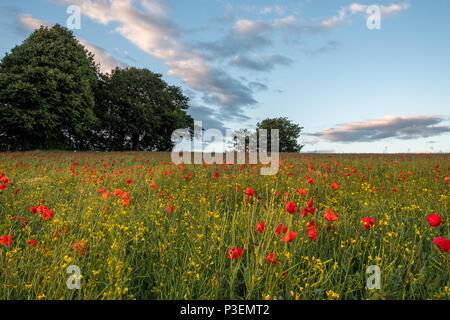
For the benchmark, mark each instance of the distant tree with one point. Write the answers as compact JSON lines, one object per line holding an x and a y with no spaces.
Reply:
{"x":137,"y":110}
{"x":241,"y":140}
{"x":47,"y":92}
{"x":288,"y":133}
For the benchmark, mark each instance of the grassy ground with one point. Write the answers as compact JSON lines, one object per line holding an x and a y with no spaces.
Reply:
{"x":167,"y":234}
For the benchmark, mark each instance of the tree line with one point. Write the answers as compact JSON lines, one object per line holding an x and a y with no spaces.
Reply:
{"x":54,"y":96}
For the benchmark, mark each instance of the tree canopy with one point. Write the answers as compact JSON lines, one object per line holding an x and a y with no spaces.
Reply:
{"x":53,"y":96}
{"x":46,"y":92}
{"x":289,"y":133}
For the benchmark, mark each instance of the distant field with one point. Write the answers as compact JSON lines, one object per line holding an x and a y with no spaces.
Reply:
{"x":139,"y":227}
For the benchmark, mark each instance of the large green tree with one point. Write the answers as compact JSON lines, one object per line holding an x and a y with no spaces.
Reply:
{"x":137,"y":110}
{"x":289,"y":133}
{"x":47,"y":92}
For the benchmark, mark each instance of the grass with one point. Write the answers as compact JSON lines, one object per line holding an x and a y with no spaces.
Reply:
{"x":144,"y":250}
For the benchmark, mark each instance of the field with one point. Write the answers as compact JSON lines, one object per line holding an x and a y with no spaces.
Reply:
{"x":139,"y":227}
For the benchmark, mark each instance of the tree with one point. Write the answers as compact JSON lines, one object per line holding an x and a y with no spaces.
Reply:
{"x":47,"y":92}
{"x":288,"y":133}
{"x":137,"y":110}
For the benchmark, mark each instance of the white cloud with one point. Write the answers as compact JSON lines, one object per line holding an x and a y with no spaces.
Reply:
{"x":154,"y":33}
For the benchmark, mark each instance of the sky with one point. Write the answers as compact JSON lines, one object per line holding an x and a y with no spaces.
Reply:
{"x":320,"y":63}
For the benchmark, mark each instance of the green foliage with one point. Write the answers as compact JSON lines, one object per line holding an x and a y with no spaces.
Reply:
{"x":46,"y":92}
{"x":288,"y":133}
{"x":138,"y":111}
{"x":52,"y":96}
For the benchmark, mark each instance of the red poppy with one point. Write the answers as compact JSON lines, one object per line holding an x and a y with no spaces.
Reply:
{"x":442,"y":243}
{"x":32,"y":242}
{"x":368,"y":222}
{"x":79,"y":247}
{"x":272,"y":259}
{"x":330,"y":215}
{"x":101,"y":190}
{"x":281,"y":229}
{"x":334,"y":186}
{"x":129,"y":181}
{"x":6,"y":240}
{"x":260,"y":227}
{"x":291,"y":208}
{"x":310,"y":203}
{"x":434,"y":220}
{"x":289,"y":236}
{"x":312,"y":231}
{"x":170,"y":208}
{"x":2,"y":187}
{"x":118,"y":192}
{"x":302,"y":192}
{"x":249,"y":192}
{"x":235,"y":253}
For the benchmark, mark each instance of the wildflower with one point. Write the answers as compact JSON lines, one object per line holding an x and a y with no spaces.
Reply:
{"x":129,"y":181}
{"x":272,"y":259}
{"x":118,"y":192}
{"x":32,"y":242}
{"x":281,"y":229}
{"x":368,"y":222}
{"x":170,"y":208}
{"x":301,"y":192}
{"x":330,"y":215}
{"x":153,"y":185}
{"x":260,"y":227}
{"x":249,"y":192}
{"x":289,"y":236}
{"x":442,"y":243}
{"x":235,"y":253}
{"x":335,"y":186}
{"x":79,"y":247}
{"x":312,"y":231}
{"x":291,"y":208}
{"x":434,"y":220}
{"x":6,"y":240}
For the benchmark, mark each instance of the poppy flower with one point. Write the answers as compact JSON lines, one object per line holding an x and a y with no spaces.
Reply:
{"x":260,"y":227}
{"x":291,"y":208}
{"x":434,"y":220}
{"x":170,"y":208}
{"x":118,"y":192}
{"x":272,"y":259}
{"x":330,"y":215}
{"x":310,"y":203}
{"x":368,"y":222}
{"x":312,"y":231}
{"x":335,"y":186}
{"x":281,"y":229}
{"x":249,"y":192}
{"x":129,"y":181}
{"x":442,"y":243}
{"x":6,"y":240}
{"x":79,"y":247}
{"x":289,"y":237}
{"x":235,"y":253}
{"x":32,"y":242}
{"x":2,"y":187}
{"x":153,"y":185}
{"x":302,"y":192}
{"x":101,"y":190}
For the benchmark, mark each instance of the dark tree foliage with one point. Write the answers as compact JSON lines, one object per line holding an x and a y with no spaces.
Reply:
{"x":137,"y":110}
{"x":289,"y":132}
{"x":52,"y":96}
{"x":47,"y":92}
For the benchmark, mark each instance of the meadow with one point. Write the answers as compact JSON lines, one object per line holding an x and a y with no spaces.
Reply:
{"x":140,"y":227}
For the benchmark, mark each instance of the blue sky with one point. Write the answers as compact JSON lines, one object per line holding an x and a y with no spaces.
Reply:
{"x":315,"y":62}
